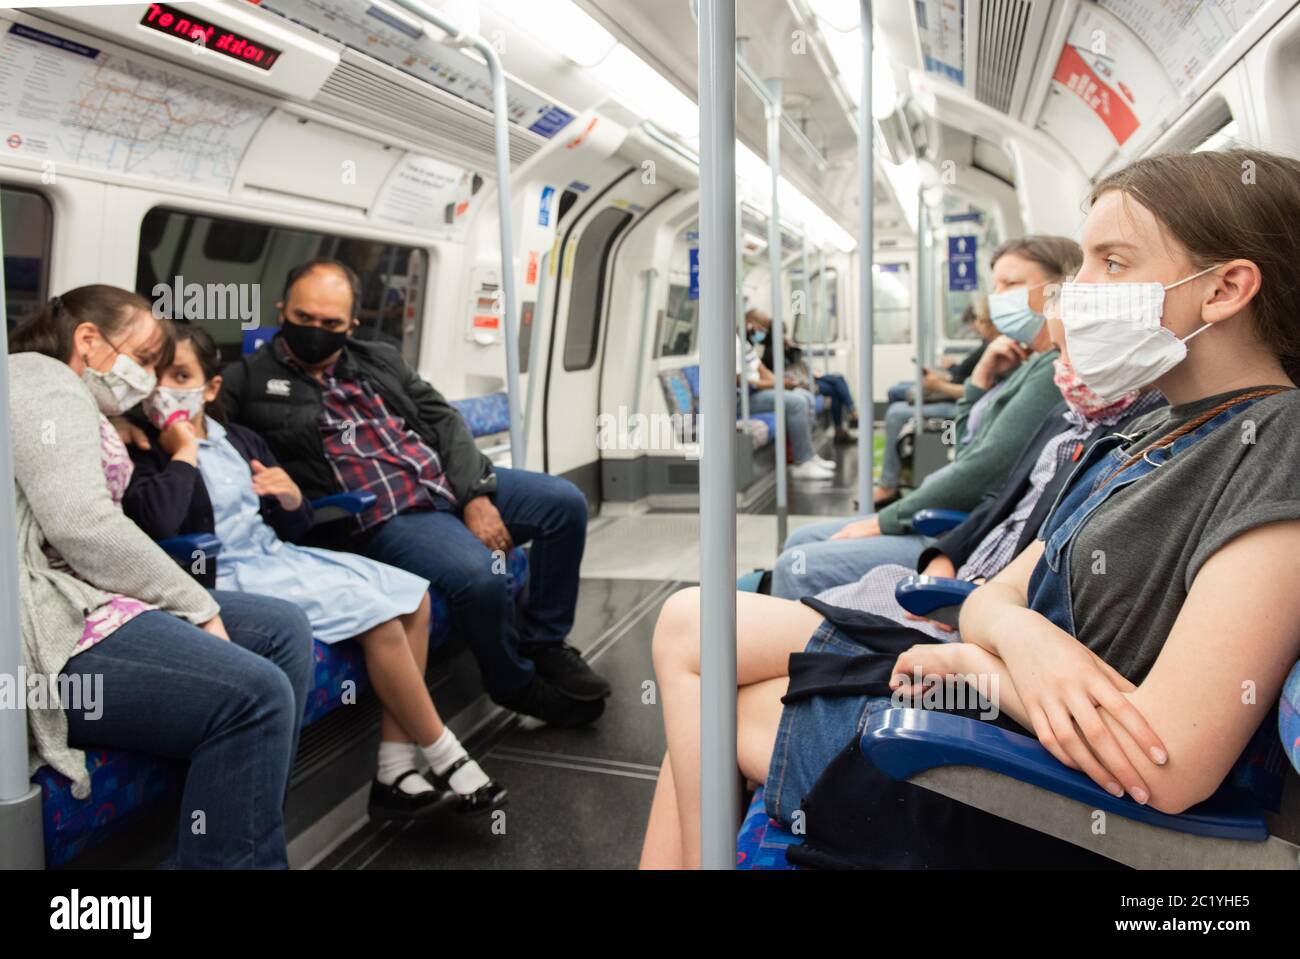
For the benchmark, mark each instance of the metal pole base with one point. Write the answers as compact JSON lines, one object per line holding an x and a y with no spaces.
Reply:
{"x":20,"y":824}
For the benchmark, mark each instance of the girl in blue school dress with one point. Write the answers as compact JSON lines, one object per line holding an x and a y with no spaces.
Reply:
{"x":201,"y":475}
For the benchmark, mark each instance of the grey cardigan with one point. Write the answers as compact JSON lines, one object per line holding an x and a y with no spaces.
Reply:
{"x":63,"y":499}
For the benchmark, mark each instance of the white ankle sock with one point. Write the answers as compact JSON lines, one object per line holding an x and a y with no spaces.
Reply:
{"x":397,"y":758}
{"x":445,"y":751}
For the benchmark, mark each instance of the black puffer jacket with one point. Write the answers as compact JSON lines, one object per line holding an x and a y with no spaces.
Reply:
{"x":282,"y":403}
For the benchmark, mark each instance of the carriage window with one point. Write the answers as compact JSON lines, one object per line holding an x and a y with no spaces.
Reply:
{"x":825,"y":325}
{"x":582,"y":337}
{"x":892,"y":302}
{"x":237,"y":270}
{"x":27,"y":222}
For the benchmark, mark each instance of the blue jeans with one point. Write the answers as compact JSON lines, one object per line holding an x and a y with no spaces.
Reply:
{"x":898,"y":392}
{"x":812,"y":562}
{"x":798,"y":420}
{"x":834,"y":386}
{"x":233,"y":709}
{"x":896,"y":415}
{"x":436,"y":544}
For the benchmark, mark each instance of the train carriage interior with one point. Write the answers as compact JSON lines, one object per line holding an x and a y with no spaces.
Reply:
{"x":526,"y":193}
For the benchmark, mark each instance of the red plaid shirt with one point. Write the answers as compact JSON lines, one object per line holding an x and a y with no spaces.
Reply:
{"x":370,"y":448}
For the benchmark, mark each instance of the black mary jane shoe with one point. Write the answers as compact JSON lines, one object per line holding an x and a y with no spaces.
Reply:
{"x":390,"y":803}
{"x":484,"y":799}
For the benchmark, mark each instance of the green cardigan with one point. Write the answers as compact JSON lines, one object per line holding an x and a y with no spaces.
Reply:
{"x":982,"y":465}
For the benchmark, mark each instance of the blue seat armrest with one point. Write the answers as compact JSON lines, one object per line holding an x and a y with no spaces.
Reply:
{"x":932,"y":522}
{"x":185,"y":549}
{"x":935,"y":597}
{"x":902,"y":743}
{"x":338,"y":505}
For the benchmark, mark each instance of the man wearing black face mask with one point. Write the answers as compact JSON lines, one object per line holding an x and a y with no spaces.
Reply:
{"x":348,"y":414}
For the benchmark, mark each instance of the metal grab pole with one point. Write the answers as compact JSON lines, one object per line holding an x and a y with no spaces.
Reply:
{"x":719,"y":779}
{"x":742,"y":384}
{"x":824,"y":312}
{"x":923,"y":312}
{"x":534,"y":354}
{"x":776,"y":336}
{"x":21,"y":844}
{"x":807,"y":314}
{"x":866,"y":278}
{"x":501,"y":123}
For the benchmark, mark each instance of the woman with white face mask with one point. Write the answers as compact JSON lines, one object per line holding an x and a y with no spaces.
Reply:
{"x":103,"y":605}
{"x":1166,"y":576}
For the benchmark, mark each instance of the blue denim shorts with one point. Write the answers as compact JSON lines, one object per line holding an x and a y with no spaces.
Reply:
{"x":812,"y":731}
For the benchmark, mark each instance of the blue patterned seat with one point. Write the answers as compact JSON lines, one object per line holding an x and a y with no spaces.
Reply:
{"x":485,"y":415}
{"x":1288,"y":717}
{"x":762,"y":842}
{"x":123,"y":783}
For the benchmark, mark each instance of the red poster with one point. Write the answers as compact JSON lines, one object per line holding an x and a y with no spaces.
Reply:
{"x":1075,"y":74}
{"x":530,"y":277}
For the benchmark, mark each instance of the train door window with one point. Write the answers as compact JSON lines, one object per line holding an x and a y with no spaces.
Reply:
{"x":239,"y":268}
{"x":680,"y":320}
{"x":826,"y":326}
{"x":27,"y":222}
{"x":892,"y":299}
{"x":591,"y":261}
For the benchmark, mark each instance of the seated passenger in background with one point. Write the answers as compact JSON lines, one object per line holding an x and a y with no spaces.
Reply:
{"x":200,"y":475}
{"x":798,"y":407}
{"x":218,"y":679}
{"x":831,"y":385}
{"x":343,"y":414}
{"x":1137,"y":687}
{"x":1006,"y":521}
{"x":1006,"y":399}
{"x":943,"y":388}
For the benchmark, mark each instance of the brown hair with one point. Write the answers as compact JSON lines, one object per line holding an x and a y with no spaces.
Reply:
{"x":1058,"y":256}
{"x":1222,"y":205}
{"x":110,"y":308}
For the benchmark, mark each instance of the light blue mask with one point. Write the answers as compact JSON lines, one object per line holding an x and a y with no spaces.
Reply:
{"x":760,"y":336}
{"x":1011,"y":314}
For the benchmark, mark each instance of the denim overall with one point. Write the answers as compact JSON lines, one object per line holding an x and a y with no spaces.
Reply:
{"x":1083,"y":494}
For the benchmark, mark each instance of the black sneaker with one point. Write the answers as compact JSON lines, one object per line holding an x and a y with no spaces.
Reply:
{"x":544,"y":700}
{"x":489,"y":796}
{"x":564,"y":666}
{"x":389,"y":803}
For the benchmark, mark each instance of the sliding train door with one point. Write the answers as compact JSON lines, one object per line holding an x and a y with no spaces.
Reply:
{"x":583,"y":275}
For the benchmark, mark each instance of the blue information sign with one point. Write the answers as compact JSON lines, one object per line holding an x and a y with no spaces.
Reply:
{"x":962,"y":274}
{"x":693,"y":293}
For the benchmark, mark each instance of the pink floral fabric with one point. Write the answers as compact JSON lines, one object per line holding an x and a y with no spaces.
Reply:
{"x":119,"y":610}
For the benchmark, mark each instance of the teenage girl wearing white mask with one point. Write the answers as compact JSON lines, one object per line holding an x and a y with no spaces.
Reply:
{"x":1133,"y":679}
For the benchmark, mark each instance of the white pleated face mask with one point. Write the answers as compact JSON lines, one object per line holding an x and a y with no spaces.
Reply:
{"x":1114,"y":335}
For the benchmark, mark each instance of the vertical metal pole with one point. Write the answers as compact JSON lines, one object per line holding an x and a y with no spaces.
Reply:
{"x":807,"y":310}
{"x":501,"y":125}
{"x":923,"y":309}
{"x":866,"y":278}
{"x":743,"y":384}
{"x":21,"y":845}
{"x":501,"y":120}
{"x":824,"y":318}
{"x":777,"y":333}
{"x":534,"y":355}
{"x":719,"y":781}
